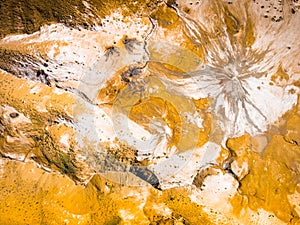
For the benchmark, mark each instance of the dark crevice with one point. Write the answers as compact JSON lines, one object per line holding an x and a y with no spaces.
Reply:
{"x":291,"y":141}
{"x":75,"y":91}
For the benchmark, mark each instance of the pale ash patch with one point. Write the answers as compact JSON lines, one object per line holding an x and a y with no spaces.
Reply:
{"x":294,"y":200}
{"x":236,"y":78}
{"x":180,"y":169}
{"x":243,"y":102}
{"x":194,"y":118}
{"x":64,"y":139}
